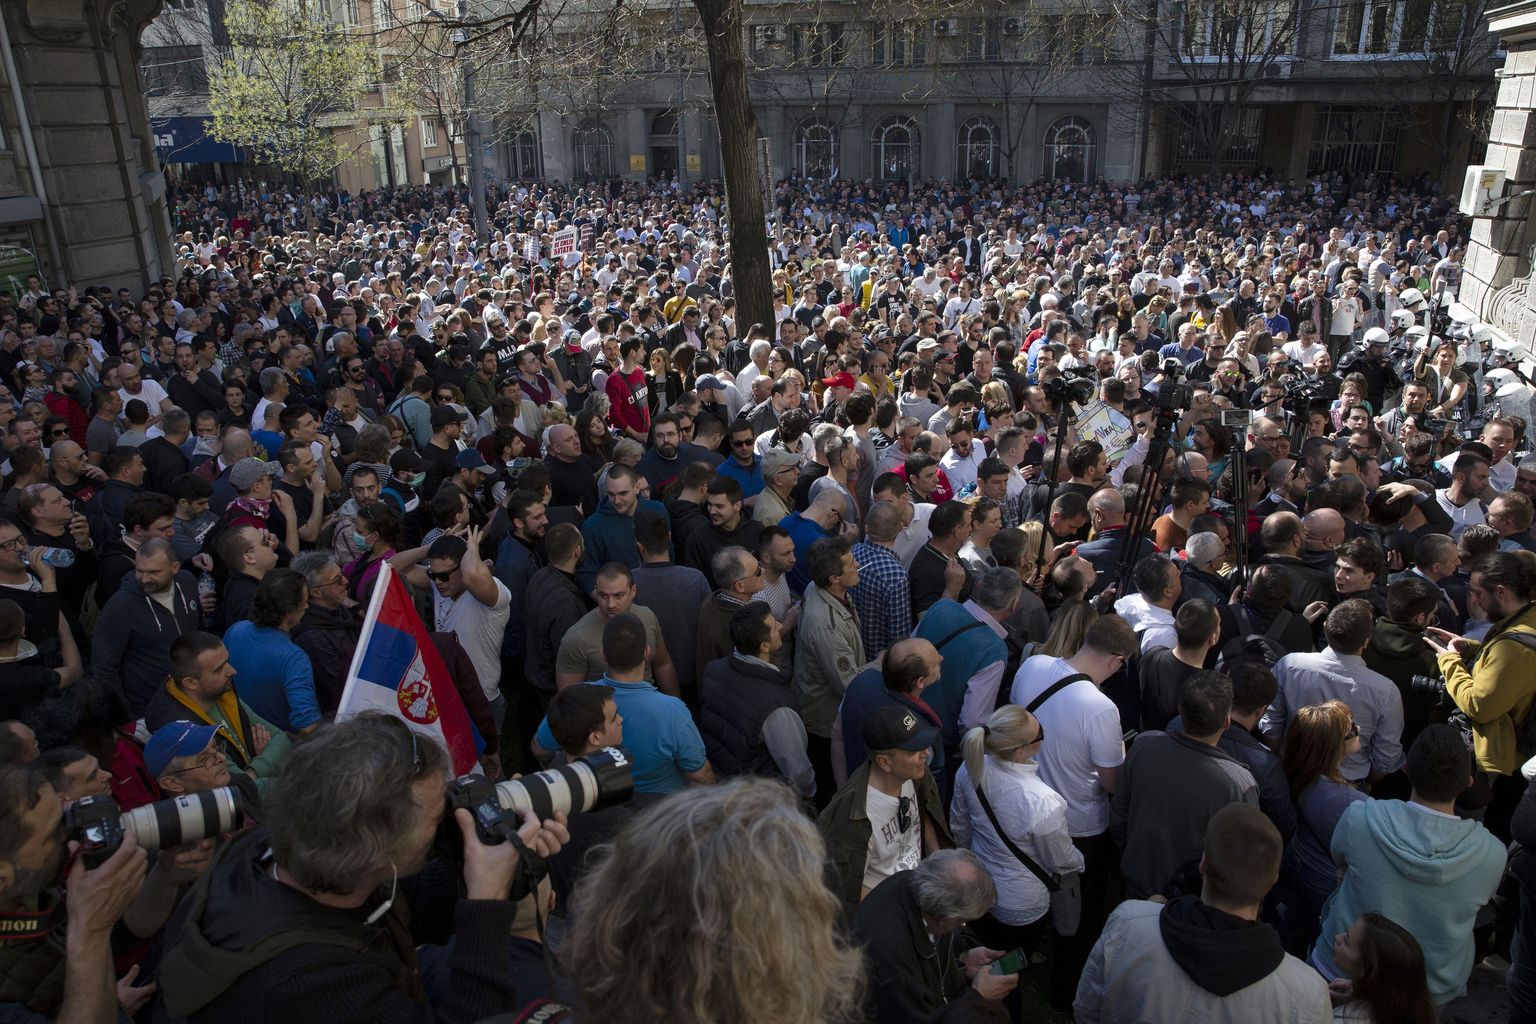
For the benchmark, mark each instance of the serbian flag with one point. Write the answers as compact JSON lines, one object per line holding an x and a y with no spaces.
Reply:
{"x":397,"y":670}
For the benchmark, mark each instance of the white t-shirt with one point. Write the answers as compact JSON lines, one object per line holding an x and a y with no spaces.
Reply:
{"x":479,"y":629}
{"x":1303,"y":354}
{"x":150,"y":393}
{"x":1082,"y":729}
{"x":890,"y":849}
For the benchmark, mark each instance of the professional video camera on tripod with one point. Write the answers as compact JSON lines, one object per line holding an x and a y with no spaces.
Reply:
{"x":1173,"y":397}
{"x":1073,"y":387}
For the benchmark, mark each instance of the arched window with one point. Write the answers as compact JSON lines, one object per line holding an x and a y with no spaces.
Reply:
{"x":976,"y":145}
{"x":1069,"y":149}
{"x":664,"y":123}
{"x":815,"y":150}
{"x":592,"y":147}
{"x":894,"y":147}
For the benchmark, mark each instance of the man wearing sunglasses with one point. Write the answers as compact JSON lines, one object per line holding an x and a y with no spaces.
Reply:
{"x":888,"y":816}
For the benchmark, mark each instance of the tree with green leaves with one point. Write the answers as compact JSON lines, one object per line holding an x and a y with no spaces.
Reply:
{"x":291,"y":77}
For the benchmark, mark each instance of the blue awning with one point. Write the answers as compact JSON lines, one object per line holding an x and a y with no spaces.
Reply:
{"x":183,"y":140}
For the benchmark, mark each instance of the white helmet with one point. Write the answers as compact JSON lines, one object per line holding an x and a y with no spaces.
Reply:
{"x":1375,"y":336}
{"x":1402,"y":319}
{"x":1410,"y":298}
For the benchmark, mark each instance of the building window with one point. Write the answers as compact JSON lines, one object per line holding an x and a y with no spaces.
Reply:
{"x":815,"y":150}
{"x":818,"y":46}
{"x":894,"y":145}
{"x":1071,"y":38}
{"x":592,"y":147}
{"x":349,"y":15}
{"x":1354,"y":139}
{"x":1070,"y":146}
{"x":1242,"y":127}
{"x":899,"y":44}
{"x":174,"y":71}
{"x":1371,"y":27}
{"x":984,"y":40}
{"x":1243,"y":36}
{"x":383,"y":14}
{"x":976,"y":149}
{"x":428,"y":133}
{"x":523,"y":154}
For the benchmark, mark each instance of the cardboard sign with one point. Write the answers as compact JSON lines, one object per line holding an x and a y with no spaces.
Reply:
{"x":1098,"y":422}
{"x":563,"y":244}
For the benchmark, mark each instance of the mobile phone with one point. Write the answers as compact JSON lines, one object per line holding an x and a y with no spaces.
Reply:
{"x":1011,"y":962}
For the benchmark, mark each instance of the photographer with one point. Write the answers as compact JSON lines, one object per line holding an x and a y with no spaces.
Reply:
{"x":57,"y":955}
{"x":302,"y":919}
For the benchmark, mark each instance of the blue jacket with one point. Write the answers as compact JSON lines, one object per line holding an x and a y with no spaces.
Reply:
{"x":865,"y":695}
{"x":1103,"y":552}
{"x":1429,"y":872}
{"x":964,"y":656}
{"x":273,"y":675}
{"x":610,"y":537}
{"x":804,"y":532}
{"x":1274,"y":790}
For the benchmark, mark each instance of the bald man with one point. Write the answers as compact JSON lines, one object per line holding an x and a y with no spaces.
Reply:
{"x":908,"y":668}
{"x":1287,"y":489}
{"x":1284,"y":540}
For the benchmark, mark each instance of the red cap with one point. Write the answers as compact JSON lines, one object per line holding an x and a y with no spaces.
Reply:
{"x":841,"y":380}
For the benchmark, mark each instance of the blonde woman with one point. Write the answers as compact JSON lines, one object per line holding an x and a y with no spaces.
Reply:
{"x":999,"y":769}
{"x":709,"y":907}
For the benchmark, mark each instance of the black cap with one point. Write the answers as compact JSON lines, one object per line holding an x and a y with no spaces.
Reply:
{"x":444,"y":415}
{"x":895,"y":727}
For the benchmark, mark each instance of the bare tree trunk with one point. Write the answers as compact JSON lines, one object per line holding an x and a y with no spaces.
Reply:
{"x":751,"y":273}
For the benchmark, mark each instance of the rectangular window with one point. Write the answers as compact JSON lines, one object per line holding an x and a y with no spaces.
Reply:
{"x":1243,"y":128}
{"x":818,"y":46}
{"x":174,"y":71}
{"x":349,"y":15}
{"x":383,"y":14}
{"x":984,"y":40}
{"x":1359,"y":139}
{"x":1373,"y":27}
{"x":428,"y":133}
{"x":899,"y":44}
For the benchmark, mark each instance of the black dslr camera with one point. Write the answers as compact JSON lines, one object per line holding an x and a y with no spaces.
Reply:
{"x":99,"y":827}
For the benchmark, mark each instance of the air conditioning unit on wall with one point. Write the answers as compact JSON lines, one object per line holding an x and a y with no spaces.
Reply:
{"x":946,"y":27}
{"x":1276,"y":72}
{"x":1013,"y":26}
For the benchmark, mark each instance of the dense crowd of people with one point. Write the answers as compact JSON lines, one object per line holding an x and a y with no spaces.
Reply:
{"x":935,"y":684}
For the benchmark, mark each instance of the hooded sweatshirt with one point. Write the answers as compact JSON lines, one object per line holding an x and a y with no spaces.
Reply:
{"x":1188,"y":961}
{"x":1429,"y":872}
{"x":131,"y":650}
{"x":1399,"y":653}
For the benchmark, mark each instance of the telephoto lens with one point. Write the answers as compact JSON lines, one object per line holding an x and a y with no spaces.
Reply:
{"x":600,"y":779}
{"x":99,"y":827}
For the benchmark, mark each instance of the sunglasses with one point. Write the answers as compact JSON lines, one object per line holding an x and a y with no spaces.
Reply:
{"x":442,"y":577}
{"x":1354,"y":730}
{"x":904,"y":813}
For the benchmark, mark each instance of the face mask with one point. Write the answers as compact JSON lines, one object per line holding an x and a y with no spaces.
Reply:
{"x":358,"y":540}
{"x":416,"y":479}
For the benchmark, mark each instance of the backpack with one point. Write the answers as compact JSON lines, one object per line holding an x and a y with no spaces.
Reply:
{"x":1248,"y":644}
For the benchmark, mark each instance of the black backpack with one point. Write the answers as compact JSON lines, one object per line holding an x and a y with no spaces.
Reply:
{"x":1252,"y":645}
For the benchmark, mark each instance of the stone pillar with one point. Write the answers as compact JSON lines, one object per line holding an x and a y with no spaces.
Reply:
{"x":1303,"y":125}
{"x":939,"y":142}
{"x":635,"y":136}
{"x":1497,"y":251}
{"x":555,"y":145}
{"x":105,"y":210}
{"x":853,"y":143}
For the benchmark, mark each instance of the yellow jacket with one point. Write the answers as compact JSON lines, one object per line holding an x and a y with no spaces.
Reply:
{"x":1497,"y":694}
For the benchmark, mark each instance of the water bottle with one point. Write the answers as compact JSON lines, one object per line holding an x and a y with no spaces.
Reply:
{"x":58,"y":558}
{"x":205,"y":587}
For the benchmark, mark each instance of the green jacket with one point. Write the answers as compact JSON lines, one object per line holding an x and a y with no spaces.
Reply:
{"x":845,"y":827}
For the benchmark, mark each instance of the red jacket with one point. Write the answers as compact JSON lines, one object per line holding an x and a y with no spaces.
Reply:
{"x":69,"y":409}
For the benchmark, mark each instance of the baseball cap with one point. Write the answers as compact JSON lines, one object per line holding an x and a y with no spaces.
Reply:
{"x":244,"y":474}
{"x":777,"y":459}
{"x":177,"y":739}
{"x":443,"y":415}
{"x":895,"y":727}
{"x":406,"y":461}
{"x":709,"y":382}
{"x":470,"y":458}
{"x":844,"y":379}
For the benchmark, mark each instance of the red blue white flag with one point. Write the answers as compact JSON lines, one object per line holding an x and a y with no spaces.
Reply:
{"x":397,"y":670}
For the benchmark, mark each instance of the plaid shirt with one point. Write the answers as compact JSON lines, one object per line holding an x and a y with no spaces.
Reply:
{"x":883,"y":598}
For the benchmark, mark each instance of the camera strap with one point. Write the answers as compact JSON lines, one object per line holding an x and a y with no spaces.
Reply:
{"x":28,"y":926}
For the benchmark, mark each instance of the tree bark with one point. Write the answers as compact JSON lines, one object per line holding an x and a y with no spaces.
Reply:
{"x":751,"y":272}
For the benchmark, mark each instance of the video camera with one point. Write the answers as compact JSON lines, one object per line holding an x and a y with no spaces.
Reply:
{"x":1074,"y":386}
{"x":97,"y":824}
{"x":1172,"y":395}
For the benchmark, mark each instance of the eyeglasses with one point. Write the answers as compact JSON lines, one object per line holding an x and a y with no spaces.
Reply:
{"x":14,"y":544}
{"x":207,"y":759}
{"x":442,"y":577}
{"x":1039,"y":736}
{"x":338,"y":581}
{"x":743,"y":443}
{"x":1354,"y":730}
{"x":59,"y":432}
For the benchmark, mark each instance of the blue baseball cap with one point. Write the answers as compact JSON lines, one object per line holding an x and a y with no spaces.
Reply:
{"x":177,"y":739}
